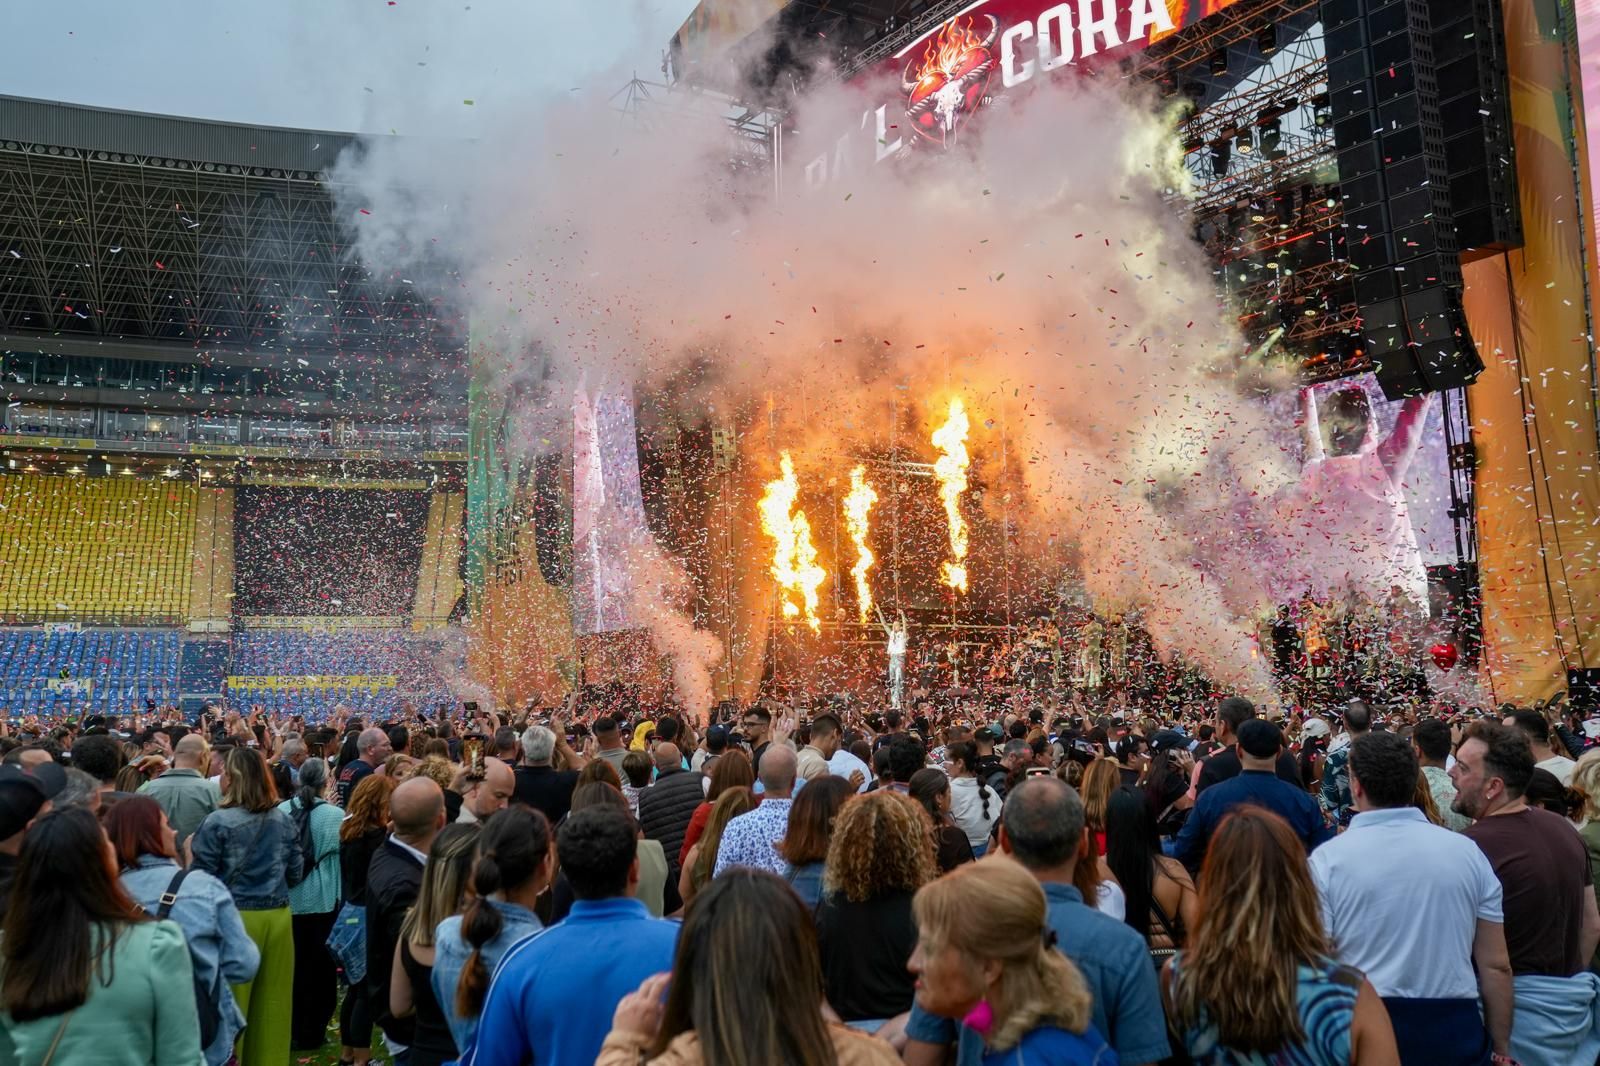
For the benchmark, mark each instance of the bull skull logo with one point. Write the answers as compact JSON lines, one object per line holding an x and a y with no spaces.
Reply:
{"x":947,"y":83}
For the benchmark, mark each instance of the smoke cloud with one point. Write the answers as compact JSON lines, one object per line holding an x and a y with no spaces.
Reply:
{"x":1041,"y":270}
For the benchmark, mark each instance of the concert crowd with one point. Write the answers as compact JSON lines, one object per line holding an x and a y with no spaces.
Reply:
{"x":1045,"y":878}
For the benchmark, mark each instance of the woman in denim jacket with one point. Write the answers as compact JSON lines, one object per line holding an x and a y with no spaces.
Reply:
{"x":515,"y":864}
{"x":253,"y":849}
{"x":146,"y":849}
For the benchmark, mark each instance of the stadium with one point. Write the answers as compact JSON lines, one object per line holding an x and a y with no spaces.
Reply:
{"x":240,"y":463}
{"x":233,"y":462}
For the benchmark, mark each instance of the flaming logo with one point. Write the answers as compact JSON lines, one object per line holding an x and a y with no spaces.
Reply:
{"x":951,"y":79}
{"x":794,"y":557}
{"x":856,"y":507}
{"x":951,"y":470}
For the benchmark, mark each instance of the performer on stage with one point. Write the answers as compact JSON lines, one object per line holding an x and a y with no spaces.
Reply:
{"x":1350,"y":505}
{"x":899,"y":639}
{"x":1091,"y":638}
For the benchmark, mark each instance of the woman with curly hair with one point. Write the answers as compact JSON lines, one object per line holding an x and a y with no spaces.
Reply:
{"x":986,"y":956}
{"x":881,"y":853}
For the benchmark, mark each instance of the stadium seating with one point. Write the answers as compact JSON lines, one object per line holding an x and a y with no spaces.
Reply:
{"x":127,"y":667}
{"x":327,"y":551}
{"x":95,"y":549}
{"x":408,"y":658}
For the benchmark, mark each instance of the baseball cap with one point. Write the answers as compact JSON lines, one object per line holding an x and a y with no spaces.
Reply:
{"x":1259,"y":738}
{"x":1168,"y":739}
{"x":1314,"y":727}
{"x":989,"y":733}
{"x":717,"y":737}
{"x":24,"y":794}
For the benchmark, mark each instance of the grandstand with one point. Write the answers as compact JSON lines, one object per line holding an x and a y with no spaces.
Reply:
{"x":95,"y":549}
{"x":227,"y":448}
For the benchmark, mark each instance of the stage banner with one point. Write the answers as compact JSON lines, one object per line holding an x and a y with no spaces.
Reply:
{"x":1533,"y":413}
{"x":70,"y":686}
{"x":923,"y":96}
{"x":607,"y":511}
{"x":314,"y":681}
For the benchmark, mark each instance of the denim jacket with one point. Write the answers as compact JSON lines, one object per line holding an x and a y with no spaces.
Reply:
{"x":211,"y":925}
{"x":451,"y":954}
{"x":257,"y":856}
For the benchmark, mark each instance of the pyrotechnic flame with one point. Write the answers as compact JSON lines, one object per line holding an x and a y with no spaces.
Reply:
{"x":856,"y":507}
{"x":794,"y":557}
{"x":945,"y":53}
{"x":951,"y":470}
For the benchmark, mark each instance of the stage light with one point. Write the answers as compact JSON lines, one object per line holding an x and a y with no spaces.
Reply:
{"x":1245,"y":142}
{"x":1221,"y":154}
{"x":1271,"y":139}
{"x":1267,"y":39}
{"x":1321,"y":111}
{"x":1219,"y":61}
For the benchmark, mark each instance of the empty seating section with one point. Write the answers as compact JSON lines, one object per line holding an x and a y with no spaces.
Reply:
{"x":327,"y":552}
{"x":95,"y":549}
{"x":287,"y":654}
{"x":126,"y":668}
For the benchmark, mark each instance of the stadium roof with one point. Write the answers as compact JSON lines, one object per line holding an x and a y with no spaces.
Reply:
{"x":139,"y":133}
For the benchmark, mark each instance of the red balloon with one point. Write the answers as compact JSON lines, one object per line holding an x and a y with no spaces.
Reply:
{"x":1444,"y":655}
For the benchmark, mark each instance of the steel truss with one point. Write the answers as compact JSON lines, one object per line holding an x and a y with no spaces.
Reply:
{"x":116,"y":245}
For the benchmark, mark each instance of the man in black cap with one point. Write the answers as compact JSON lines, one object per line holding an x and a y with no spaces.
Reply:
{"x":24,"y":796}
{"x":1258,"y":743}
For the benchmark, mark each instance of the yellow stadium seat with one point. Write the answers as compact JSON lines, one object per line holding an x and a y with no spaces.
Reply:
{"x":80,"y":547}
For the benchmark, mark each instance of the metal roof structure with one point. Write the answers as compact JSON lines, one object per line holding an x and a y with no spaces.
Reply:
{"x":139,"y":227}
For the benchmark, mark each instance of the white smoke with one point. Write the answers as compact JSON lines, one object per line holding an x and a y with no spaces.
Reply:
{"x":1042,"y":273}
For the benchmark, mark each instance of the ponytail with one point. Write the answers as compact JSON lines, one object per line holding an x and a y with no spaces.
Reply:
{"x":511,"y":851}
{"x":967,"y":755}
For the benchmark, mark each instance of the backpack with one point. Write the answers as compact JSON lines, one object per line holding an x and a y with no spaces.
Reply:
{"x":207,"y":1000}
{"x":302,"y":825}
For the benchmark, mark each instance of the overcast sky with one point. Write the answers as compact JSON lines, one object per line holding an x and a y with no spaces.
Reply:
{"x":366,"y":65}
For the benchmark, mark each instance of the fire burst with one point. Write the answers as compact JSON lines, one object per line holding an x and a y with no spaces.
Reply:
{"x":794,"y":557}
{"x":856,"y":507}
{"x":951,"y":470}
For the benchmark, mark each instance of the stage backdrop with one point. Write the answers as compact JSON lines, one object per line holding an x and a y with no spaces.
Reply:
{"x":1533,"y":409}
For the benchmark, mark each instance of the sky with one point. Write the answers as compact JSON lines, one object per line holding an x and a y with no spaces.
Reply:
{"x":367,"y":66}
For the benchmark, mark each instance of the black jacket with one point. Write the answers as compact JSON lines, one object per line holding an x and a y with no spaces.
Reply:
{"x":1225,"y":765}
{"x":393,"y":881}
{"x":666,"y":807}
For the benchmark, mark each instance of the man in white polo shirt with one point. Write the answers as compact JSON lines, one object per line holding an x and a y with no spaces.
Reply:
{"x":1407,"y":903}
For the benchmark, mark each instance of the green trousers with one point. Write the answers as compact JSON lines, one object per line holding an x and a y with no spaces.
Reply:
{"x":268,"y":1001}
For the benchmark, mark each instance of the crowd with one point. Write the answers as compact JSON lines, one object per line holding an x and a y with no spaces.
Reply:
{"x":1035,"y":885}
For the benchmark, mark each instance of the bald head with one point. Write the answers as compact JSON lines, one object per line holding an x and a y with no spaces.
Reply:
{"x":778,"y":771}
{"x":668,"y":757}
{"x":190,"y":753}
{"x":417,"y":811}
{"x":493,"y":793}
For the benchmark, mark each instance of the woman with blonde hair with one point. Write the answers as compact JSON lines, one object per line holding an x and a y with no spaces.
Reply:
{"x":880,"y":854}
{"x":254,"y":849}
{"x":1584,"y":793}
{"x":1100,"y":779}
{"x":444,"y":882}
{"x":701,"y":859}
{"x":986,"y":957}
{"x":1256,"y":981}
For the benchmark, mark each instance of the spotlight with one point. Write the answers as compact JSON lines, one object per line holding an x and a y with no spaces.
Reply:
{"x":1271,"y":138}
{"x":1321,"y":111}
{"x":1221,"y":154}
{"x":1245,"y":142}
{"x":1219,"y":61}
{"x":1267,"y":39}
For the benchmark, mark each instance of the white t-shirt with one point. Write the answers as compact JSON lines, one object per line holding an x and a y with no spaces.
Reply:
{"x":843,"y":764}
{"x":1559,"y":765}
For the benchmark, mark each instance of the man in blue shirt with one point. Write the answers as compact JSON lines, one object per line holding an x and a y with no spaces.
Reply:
{"x":1259,"y":743}
{"x":1042,"y":827}
{"x":554,"y":992}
